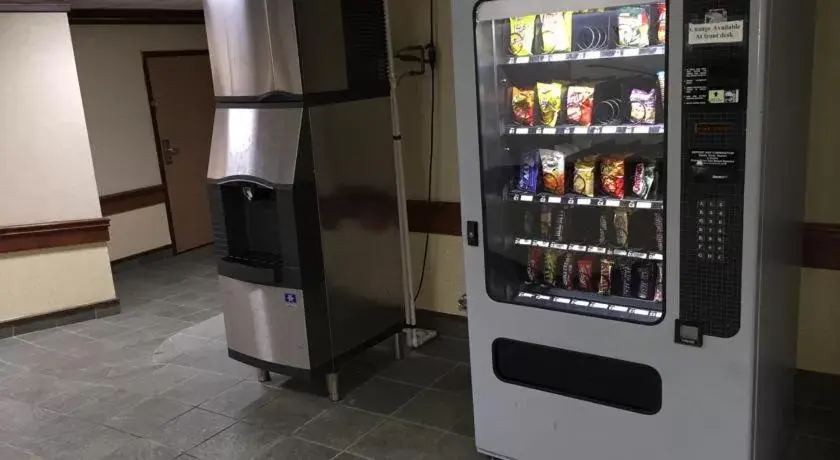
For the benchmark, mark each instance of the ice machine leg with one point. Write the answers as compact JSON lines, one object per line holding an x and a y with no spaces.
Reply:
{"x":399,"y":346}
{"x":332,"y":387}
{"x":263,"y":375}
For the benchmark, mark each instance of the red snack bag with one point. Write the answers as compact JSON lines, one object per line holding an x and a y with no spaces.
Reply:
{"x":523,"y":106}
{"x":584,"y":266}
{"x":612,"y":177}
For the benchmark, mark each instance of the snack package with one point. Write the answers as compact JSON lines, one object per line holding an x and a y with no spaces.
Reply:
{"x":545,"y":223}
{"x":621,"y":222}
{"x":553,"y":171}
{"x":560,"y":226}
{"x":535,"y":263}
{"x":550,"y":99}
{"x":603,"y":227}
{"x":662,"y":26}
{"x":529,"y":226}
{"x":550,"y":268}
{"x":644,"y":176}
{"x":584,"y":180}
{"x":556,"y":32}
{"x":643,"y":106}
{"x":659,"y":290}
{"x":659,"y":228}
{"x":661,"y":77}
{"x":633,"y":27}
{"x":523,"y":106}
{"x":605,"y":281}
{"x":612,"y":177}
{"x":625,"y":272}
{"x":645,"y":277}
{"x":584,"y":267}
{"x":579,"y":105}
{"x":567,"y":276}
{"x":522,"y":32}
{"x":528,"y":173}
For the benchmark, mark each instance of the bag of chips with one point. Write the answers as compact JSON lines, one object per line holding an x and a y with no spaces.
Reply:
{"x":621,"y":223}
{"x":579,"y":105}
{"x":659,"y":228}
{"x":603,"y":227}
{"x":556,"y":32}
{"x":584,"y":266}
{"x":550,"y":99}
{"x":545,"y":223}
{"x":659,"y":290}
{"x":612,"y":177}
{"x":584,"y":180}
{"x":633,"y":27}
{"x":643,"y":106}
{"x":567,"y":276}
{"x":661,"y":77}
{"x":550,"y":268}
{"x":553,"y":171}
{"x":605,"y":281}
{"x":645,"y":287}
{"x":522,"y":32}
{"x":523,"y":106}
{"x":662,"y":25}
{"x":535,"y":263}
{"x":625,"y":272}
{"x":644,"y":177}
{"x":528,"y":173}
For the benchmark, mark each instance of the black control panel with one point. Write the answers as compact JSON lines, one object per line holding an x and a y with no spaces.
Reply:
{"x":714,"y":111}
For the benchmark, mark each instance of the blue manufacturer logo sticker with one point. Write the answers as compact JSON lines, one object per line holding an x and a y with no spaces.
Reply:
{"x":291,"y":298}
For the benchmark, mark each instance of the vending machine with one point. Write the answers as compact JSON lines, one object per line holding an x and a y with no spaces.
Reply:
{"x":632,"y":178}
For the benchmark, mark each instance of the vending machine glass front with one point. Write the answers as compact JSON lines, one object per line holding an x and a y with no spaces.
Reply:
{"x":572,"y":136}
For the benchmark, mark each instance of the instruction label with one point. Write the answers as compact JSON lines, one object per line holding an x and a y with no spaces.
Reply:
{"x":716,"y":32}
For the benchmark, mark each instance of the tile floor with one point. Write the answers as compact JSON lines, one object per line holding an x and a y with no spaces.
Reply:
{"x":155,"y":383}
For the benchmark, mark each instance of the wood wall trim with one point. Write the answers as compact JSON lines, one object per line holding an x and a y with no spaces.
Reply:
{"x":53,"y":235}
{"x":438,"y":217}
{"x":821,"y":246}
{"x":132,"y":199}
{"x":34,"y":6}
{"x":124,"y":16}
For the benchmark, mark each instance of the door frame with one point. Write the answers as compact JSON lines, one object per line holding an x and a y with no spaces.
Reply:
{"x":146,"y":55}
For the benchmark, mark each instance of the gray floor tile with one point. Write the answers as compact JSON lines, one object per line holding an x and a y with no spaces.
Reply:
{"x":17,"y":352}
{"x":143,"y":449}
{"x":298,"y":449}
{"x":240,"y":441}
{"x":348,"y":456}
{"x":452,"y":446}
{"x":241,"y":399}
{"x":62,"y":341}
{"x":448,"y":348}
{"x":160,"y":380}
{"x":201,"y":388}
{"x":102,"y":409}
{"x":191,"y":429}
{"x":72,"y":400}
{"x":18,"y":418}
{"x":145,"y":417}
{"x":97,"y":329}
{"x":213,"y":328}
{"x":465,"y":426}
{"x":440,"y":409}
{"x":185,"y":298}
{"x":456,"y":380}
{"x":7,"y":370}
{"x":339,"y":427}
{"x":8,"y":452}
{"x":92,"y":444}
{"x":418,"y":369}
{"x":288,"y":411}
{"x":201,"y":315}
{"x":177,"y":345}
{"x":395,"y":440}
{"x":380,"y":396}
{"x":214,"y":358}
{"x":35,"y":388}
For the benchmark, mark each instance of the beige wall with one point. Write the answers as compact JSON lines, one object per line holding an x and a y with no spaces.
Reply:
{"x":444,"y":281}
{"x":819,"y":306}
{"x":109,"y":59}
{"x":46,"y":173}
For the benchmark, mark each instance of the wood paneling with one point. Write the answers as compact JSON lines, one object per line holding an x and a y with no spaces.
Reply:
{"x":37,"y":6}
{"x":53,"y":235}
{"x":821,"y":246}
{"x":438,"y":217}
{"x":132,"y":199}
{"x":126,"y":16}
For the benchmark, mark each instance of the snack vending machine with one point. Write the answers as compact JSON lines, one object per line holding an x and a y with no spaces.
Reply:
{"x":631,"y":183}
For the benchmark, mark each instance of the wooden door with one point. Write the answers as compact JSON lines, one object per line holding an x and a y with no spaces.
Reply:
{"x":181,"y":92}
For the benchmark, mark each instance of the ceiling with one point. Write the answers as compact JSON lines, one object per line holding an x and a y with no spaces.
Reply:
{"x":139,"y":4}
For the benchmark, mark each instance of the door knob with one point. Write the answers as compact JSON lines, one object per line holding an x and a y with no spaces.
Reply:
{"x":168,"y":151}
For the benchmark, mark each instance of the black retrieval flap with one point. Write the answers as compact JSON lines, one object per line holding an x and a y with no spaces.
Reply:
{"x":611,"y":382}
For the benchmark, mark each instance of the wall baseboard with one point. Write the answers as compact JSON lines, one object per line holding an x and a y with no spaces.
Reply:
{"x":130,"y":200}
{"x":53,"y":235}
{"x":59,"y":318}
{"x":446,"y":324}
{"x":141,"y":258}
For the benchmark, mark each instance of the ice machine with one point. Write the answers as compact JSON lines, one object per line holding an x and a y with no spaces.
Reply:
{"x":302,"y":182}
{"x":631,"y":188}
